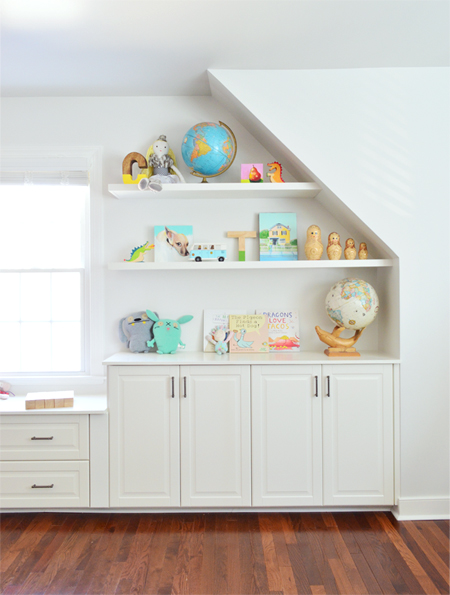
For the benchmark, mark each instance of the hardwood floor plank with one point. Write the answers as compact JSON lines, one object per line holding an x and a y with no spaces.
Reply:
{"x":220,"y":556}
{"x":439,"y":577}
{"x":270,"y":556}
{"x":426,"y":583}
{"x":158,"y":549}
{"x":259,"y":580}
{"x":196,"y":554}
{"x":345,"y":556}
{"x":223,"y":554}
{"x":233,"y":560}
{"x":207,"y":584}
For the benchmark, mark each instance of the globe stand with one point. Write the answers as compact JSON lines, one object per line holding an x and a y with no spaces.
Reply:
{"x":339,"y":347}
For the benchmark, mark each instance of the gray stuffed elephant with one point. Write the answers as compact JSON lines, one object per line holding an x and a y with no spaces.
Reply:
{"x":135,"y":330}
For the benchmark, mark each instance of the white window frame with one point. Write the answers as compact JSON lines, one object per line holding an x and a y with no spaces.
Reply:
{"x":72,"y":159}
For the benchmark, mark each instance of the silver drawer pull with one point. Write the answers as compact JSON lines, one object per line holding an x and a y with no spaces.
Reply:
{"x":42,"y":438}
{"x":50,"y":486}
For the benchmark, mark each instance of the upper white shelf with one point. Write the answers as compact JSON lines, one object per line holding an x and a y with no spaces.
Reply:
{"x":250,"y":264}
{"x":217,"y":190}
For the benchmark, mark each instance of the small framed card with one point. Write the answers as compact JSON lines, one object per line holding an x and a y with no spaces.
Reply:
{"x":252,"y":173}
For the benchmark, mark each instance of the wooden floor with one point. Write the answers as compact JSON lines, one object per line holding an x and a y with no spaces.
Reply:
{"x":222,"y":553}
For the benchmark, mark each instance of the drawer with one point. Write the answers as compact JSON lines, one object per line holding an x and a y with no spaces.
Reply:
{"x":44,"y":437}
{"x":56,"y":484}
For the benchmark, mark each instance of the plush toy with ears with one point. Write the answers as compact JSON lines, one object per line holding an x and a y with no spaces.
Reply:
{"x":167,"y":333}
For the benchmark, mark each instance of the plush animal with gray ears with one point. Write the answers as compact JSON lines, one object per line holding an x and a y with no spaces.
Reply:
{"x":135,"y":331}
{"x":167,"y":333}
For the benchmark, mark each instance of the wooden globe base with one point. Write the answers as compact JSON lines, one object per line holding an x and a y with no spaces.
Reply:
{"x":337,"y":352}
{"x":339,"y":347}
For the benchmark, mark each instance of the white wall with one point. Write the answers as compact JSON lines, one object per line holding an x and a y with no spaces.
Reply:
{"x":379,"y":139}
{"x":122,"y":125}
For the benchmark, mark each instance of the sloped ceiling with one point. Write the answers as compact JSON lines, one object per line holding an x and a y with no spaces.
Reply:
{"x":144,"y":47}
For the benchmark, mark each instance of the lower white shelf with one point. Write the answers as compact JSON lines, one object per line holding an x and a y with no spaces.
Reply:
{"x":251,"y":264}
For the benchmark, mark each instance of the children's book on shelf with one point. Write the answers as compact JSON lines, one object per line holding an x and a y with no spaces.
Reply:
{"x":173,"y":243}
{"x":283,"y":329}
{"x":278,"y":236}
{"x":249,"y":333}
{"x":213,"y":319}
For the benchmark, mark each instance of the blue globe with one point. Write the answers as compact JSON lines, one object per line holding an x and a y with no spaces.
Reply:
{"x":208,"y":148}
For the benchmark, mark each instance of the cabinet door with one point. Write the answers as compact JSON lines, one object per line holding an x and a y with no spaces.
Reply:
{"x":215,"y":436}
{"x":144,"y":436}
{"x":358,"y":454}
{"x":286,"y":435}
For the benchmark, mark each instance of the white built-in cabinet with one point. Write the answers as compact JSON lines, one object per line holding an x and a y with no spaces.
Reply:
{"x":180,"y":436}
{"x":251,"y":435}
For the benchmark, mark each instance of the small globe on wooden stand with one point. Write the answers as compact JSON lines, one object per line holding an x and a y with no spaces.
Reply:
{"x":351,"y":304}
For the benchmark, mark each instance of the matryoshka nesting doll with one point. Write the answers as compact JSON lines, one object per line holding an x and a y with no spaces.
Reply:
{"x":334,"y":248}
{"x":313,"y":245}
{"x":350,"y":250}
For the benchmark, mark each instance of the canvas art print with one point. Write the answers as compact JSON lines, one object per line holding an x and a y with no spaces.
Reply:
{"x":249,"y":334}
{"x":278,"y":236}
{"x":283,"y":329}
{"x":252,"y":173}
{"x":173,"y":243}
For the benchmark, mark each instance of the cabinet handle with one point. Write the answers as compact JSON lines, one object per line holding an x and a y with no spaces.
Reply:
{"x":328,"y":387}
{"x":42,"y":438}
{"x":185,"y":395}
{"x":316,"y":384}
{"x":173,"y":387}
{"x":50,"y":486}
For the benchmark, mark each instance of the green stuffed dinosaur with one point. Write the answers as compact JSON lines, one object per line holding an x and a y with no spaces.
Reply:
{"x":137,"y":254}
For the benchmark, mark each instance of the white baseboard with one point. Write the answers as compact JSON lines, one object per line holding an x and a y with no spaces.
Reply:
{"x":425,"y":509}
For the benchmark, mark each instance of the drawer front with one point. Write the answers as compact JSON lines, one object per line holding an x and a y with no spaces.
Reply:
{"x":44,"y":437}
{"x":55,"y":484}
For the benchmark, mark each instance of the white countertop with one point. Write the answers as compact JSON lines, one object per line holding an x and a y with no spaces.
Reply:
{"x":187,"y":358}
{"x":91,"y":404}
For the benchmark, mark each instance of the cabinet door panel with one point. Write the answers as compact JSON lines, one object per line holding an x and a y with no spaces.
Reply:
{"x":286,"y":436}
{"x":358,"y":435}
{"x":215,"y":436}
{"x":144,"y":430}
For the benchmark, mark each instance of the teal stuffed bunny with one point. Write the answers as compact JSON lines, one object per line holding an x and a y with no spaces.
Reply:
{"x":167,"y":333}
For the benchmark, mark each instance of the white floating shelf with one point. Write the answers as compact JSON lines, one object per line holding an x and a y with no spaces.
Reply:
{"x":256,"y":264}
{"x":215,"y":190}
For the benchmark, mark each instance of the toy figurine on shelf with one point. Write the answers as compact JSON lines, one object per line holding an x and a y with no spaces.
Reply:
{"x":167,"y":333}
{"x":350,"y":250}
{"x":137,"y":254}
{"x":219,"y":337}
{"x":334,"y":249}
{"x":274,"y":173}
{"x":162,"y":166}
{"x":313,"y":246}
{"x":363,"y":254}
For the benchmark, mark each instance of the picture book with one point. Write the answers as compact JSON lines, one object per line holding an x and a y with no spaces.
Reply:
{"x":173,"y":243}
{"x":283,"y":330}
{"x":249,"y":334}
{"x":252,"y":173}
{"x":213,"y":319}
{"x":278,"y":236}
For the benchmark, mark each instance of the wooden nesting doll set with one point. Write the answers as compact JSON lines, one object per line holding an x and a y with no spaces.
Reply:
{"x":314,"y":246}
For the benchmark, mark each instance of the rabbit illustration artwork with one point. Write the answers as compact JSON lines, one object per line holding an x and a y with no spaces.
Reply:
{"x":167,"y":333}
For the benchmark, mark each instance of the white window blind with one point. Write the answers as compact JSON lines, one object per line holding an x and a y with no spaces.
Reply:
{"x":43,"y":266}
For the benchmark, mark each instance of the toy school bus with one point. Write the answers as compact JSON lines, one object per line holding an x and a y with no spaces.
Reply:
{"x":204,"y":251}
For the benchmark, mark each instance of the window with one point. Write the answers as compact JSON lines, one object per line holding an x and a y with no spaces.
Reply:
{"x":45,"y":270}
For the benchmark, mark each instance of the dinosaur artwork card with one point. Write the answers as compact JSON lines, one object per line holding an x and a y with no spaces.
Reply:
{"x":249,"y":333}
{"x":278,"y":236}
{"x":252,"y":173}
{"x":283,"y":329}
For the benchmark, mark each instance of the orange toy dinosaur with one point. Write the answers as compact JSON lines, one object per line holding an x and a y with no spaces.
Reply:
{"x":275,"y":172}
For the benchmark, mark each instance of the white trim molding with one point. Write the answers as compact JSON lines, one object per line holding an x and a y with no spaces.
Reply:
{"x":425,"y":509}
